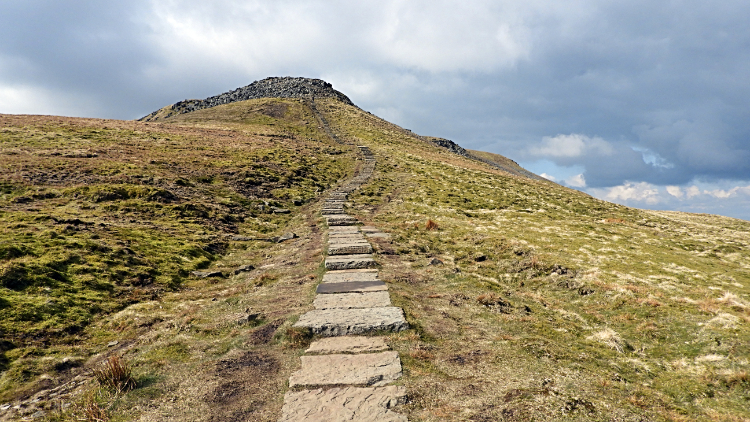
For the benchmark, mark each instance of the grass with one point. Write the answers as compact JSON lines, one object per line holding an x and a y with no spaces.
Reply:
{"x":528,"y":301}
{"x":116,"y":375}
{"x":99,"y":215}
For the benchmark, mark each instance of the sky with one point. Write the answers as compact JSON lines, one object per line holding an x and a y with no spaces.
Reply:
{"x":641,"y":103}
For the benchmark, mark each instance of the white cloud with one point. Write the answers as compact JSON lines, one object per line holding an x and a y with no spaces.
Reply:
{"x":717,"y":193}
{"x":264,"y":37}
{"x":675,"y":191}
{"x":721,"y":193}
{"x":549,"y":177}
{"x":654,"y":159}
{"x":693,"y":191}
{"x":447,"y":35}
{"x":630,"y":191}
{"x":714,"y":198}
{"x":573,"y":145}
{"x":577,"y":181}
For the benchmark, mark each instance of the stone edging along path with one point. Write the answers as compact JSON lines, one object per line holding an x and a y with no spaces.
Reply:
{"x":345,"y":375}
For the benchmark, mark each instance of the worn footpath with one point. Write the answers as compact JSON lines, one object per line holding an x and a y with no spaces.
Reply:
{"x":345,"y":375}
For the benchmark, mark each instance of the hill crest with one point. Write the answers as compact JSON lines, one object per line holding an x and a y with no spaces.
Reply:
{"x":272,"y":87}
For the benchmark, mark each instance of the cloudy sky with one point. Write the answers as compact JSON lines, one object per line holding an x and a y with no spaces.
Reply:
{"x":640,"y":102}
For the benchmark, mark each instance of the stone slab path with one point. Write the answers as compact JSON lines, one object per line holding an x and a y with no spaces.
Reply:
{"x":343,"y":322}
{"x":351,"y":287}
{"x":344,"y":404}
{"x":345,"y":374}
{"x":349,"y":262}
{"x":353,"y":300}
{"x":367,"y":370}
{"x":350,"y":275}
{"x":347,"y":344}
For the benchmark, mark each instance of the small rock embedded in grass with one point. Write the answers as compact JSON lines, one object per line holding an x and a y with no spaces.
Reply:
{"x":287,"y":236}
{"x":243,"y":238}
{"x":207,"y":274}
{"x":493,"y":301}
{"x":248,"y":318}
{"x":244,"y":268}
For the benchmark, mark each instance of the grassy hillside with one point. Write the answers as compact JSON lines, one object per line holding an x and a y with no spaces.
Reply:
{"x":97,"y":215}
{"x":529,"y":301}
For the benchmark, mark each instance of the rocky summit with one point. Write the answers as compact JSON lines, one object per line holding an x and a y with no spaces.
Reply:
{"x":273,"y":87}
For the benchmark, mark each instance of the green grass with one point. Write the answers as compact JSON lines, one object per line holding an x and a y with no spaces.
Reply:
{"x":97,"y":215}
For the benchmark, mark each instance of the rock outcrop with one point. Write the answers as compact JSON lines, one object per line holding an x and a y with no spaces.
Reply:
{"x":274,"y":87}
{"x":449,"y":145}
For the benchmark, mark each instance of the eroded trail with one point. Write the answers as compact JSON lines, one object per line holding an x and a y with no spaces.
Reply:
{"x":345,"y":376}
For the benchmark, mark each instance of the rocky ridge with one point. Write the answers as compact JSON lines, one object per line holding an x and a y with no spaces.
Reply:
{"x":273,"y":87}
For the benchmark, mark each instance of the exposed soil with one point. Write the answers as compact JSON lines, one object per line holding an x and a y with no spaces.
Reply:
{"x":245,"y":383}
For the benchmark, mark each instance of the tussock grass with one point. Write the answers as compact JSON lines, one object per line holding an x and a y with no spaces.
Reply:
{"x":115,"y":374}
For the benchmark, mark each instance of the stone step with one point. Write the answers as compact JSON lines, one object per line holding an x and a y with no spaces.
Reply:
{"x":349,"y":248}
{"x":344,"y":231}
{"x":347,"y":404}
{"x":333,"y":211}
{"x":349,"y":262}
{"x":378,"y":235}
{"x":341,"y":217}
{"x":351,"y":287}
{"x":350,"y":275}
{"x":344,"y":322}
{"x":341,"y":230}
{"x":347,"y":237}
{"x":352,"y":300}
{"x":350,"y":231}
{"x":371,"y":229}
{"x":347,"y":344}
{"x":351,"y":222}
{"x":370,"y":370}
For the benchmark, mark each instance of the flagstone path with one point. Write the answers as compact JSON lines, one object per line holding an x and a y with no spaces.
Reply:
{"x":345,"y":375}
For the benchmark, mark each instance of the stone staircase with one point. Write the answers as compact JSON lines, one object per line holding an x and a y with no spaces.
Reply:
{"x":345,"y":375}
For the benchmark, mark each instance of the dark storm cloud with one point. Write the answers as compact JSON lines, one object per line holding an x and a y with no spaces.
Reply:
{"x":83,"y":48}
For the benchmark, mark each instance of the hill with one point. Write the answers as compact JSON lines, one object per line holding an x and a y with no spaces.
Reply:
{"x":527,"y":300}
